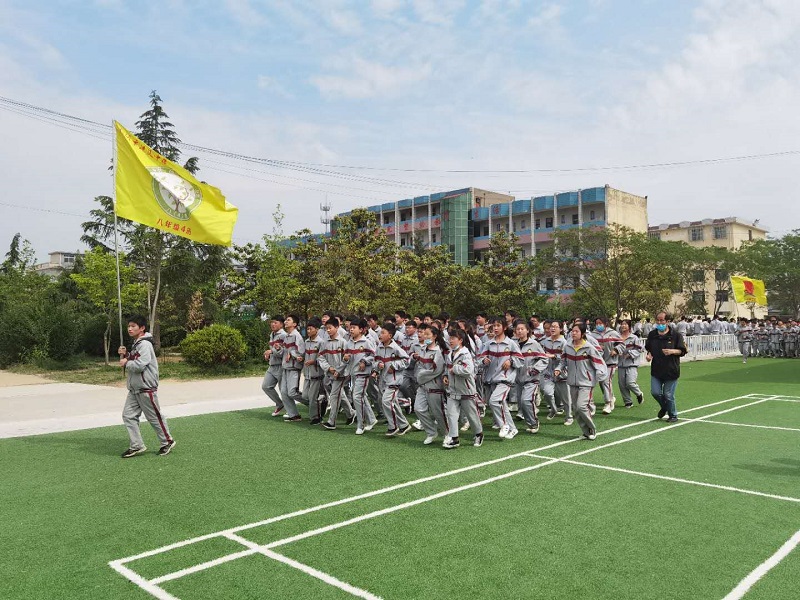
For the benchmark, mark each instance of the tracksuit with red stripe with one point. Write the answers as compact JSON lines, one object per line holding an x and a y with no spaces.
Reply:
{"x":555,"y":388}
{"x":391,"y":361}
{"x":430,"y":404}
{"x":360,"y":355}
{"x":331,"y":361}
{"x":494,"y":355}
{"x":142,"y":374}
{"x":534,"y":362}
{"x":294,"y":353}
{"x":462,"y":398}
{"x":312,"y":376}
{"x":585,"y":367}
{"x":629,"y":350}
{"x":272,"y":378}
{"x":608,"y":338}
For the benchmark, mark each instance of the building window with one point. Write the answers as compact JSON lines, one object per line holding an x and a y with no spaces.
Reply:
{"x":575,"y":219}
{"x":515,"y":225}
{"x":548,"y":223}
{"x":522,"y":252}
{"x":722,"y":295}
{"x":485,"y":230}
{"x":696,"y":234}
{"x":434,"y":210}
{"x":538,"y":223}
{"x":549,"y":284}
{"x":699,"y":299}
{"x":497,"y":226}
{"x":68,"y":260}
{"x":720,"y":275}
{"x":433,"y":240}
{"x":591,"y":215}
{"x":563,"y":219}
{"x":654,"y":235}
{"x":522,"y":225}
{"x":749,"y":235}
{"x":698,"y":276}
{"x":720,"y":232}
{"x":576,"y":282}
{"x":386,"y":219}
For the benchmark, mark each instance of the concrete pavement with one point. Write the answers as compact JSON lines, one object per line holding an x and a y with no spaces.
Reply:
{"x":33,"y":408}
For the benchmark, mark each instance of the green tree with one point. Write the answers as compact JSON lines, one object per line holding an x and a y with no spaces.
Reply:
{"x":20,"y":256}
{"x":97,"y":283}
{"x":776,"y":262}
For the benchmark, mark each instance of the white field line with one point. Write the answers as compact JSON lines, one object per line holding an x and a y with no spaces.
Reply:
{"x":202,"y":566}
{"x":702,"y":420}
{"x":764,"y":568}
{"x":329,"y":579}
{"x":675,"y":479}
{"x":147,"y":586}
{"x":787,"y":399}
{"x":399,"y":486}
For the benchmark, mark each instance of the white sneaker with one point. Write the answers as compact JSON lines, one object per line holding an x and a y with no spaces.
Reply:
{"x":451,"y":443}
{"x":504,"y":431}
{"x":568,"y":422}
{"x":495,"y":427}
{"x":359,"y":431}
{"x":447,"y":439}
{"x":370,"y":426}
{"x":417,"y":425}
{"x":512,"y":433}
{"x":608,"y":408}
{"x":429,"y":440}
{"x":465,"y":426}
{"x":592,"y":409}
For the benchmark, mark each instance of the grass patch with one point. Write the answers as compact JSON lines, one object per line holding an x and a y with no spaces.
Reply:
{"x":93,"y":370}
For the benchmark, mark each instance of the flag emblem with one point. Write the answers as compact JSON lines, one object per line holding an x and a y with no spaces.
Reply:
{"x":176,"y":196}
{"x":749,"y":288}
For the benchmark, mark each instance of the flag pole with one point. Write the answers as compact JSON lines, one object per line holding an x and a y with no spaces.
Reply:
{"x":116,"y":226}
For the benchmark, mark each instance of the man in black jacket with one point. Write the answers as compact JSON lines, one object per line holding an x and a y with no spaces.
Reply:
{"x":665,"y":346}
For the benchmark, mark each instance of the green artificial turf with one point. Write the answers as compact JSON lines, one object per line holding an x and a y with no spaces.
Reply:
{"x":71,"y":505}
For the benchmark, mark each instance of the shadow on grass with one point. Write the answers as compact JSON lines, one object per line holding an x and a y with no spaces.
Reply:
{"x":784,"y":466}
{"x":86,"y":444}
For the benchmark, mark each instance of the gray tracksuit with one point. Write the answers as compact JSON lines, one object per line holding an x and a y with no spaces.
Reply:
{"x":608,"y":339}
{"x":629,"y":350}
{"x":534,"y":362}
{"x":585,"y":367}
{"x":272,"y":378}
{"x":142,"y":379}
{"x":494,"y":355}
{"x":555,"y":389}
{"x":360,"y":352}
{"x":293,"y":358}
{"x":391,"y":362}
{"x":331,"y":357}
{"x":410,"y":344}
{"x":745,"y":338}
{"x":430,"y":404}
{"x":312,"y":377}
{"x":461,"y":392}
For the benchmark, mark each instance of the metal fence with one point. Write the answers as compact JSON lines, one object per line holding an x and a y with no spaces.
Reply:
{"x":711,"y":346}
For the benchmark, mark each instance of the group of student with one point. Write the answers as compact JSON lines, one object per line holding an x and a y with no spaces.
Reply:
{"x":446,"y":372}
{"x":769,"y":338}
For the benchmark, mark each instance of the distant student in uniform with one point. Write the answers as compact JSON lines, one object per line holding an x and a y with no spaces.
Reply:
{"x":141,"y":368}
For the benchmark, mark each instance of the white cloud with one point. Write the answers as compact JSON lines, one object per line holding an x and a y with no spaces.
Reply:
{"x":548,"y":16}
{"x":438,"y":12}
{"x":267,"y":83}
{"x":385,"y":8}
{"x":369,"y":79}
{"x":243,"y":12}
{"x":345,"y":22}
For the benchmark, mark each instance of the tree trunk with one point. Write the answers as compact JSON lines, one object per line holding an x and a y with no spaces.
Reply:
{"x":107,"y":341}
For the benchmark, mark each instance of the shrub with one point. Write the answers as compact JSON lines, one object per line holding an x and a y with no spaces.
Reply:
{"x":256,"y":335}
{"x":214,"y":346}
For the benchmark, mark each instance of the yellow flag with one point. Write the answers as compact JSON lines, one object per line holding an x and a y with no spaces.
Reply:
{"x":749,"y":290}
{"x":156,"y":192}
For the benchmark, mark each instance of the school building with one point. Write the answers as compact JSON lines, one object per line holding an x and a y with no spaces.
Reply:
{"x":464,"y":220}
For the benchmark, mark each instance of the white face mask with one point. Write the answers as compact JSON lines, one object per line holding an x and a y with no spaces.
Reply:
{"x":428,"y":342}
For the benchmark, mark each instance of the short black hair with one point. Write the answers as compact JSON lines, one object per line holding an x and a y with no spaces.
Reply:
{"x":277,"y":318}
{"x":139,"y":320}
{"x":390,"y":327}
{"x":314,"y":322}
{"x":333,"y":321}
{"x":294,"y":318}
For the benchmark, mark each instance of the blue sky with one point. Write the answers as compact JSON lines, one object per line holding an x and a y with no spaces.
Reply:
{"x":414,"y":85}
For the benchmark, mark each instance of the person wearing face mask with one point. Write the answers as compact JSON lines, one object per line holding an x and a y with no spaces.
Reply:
{"x":629,"y":349}
{"x":430,"y":404}
{"x":608,"y":338}
{"x":665,"y":346}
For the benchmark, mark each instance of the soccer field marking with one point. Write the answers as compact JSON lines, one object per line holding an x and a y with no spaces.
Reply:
{"x":764,"y":568}
{"x":309,"y":570}
{"x":154,"y":590}
{"x":148,"y":586}
{"x":787,"y":399}
{"x":674,"y":479}
{"x":715,"y":422}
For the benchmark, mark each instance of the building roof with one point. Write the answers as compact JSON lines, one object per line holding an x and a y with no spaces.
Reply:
{"x":703,"y":222}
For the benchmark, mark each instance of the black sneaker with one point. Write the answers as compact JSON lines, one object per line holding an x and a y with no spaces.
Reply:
{"x":133,"y":452}
{"x":166,"y":448}
{"x":294,"y":419}
{"x":451,"y":443}
{"x":478,"y":440}
{"x":662,"y":413}
{"x":629,"y":405}
{"x":328,"y":426}
{"x":402,"y":431}
{"x":672,"y":420}
{"x":315,"y":421}
{"x":639,"y":398}
{"x":351,"y":420}
{"x":391,"y":433}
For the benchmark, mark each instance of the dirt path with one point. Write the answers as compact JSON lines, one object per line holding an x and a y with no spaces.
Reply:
{"x":9,"y":379}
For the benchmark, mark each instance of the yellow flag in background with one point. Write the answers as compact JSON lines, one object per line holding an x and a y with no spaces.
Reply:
{"x":156,"y":192}
{"x":749,"y":290}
